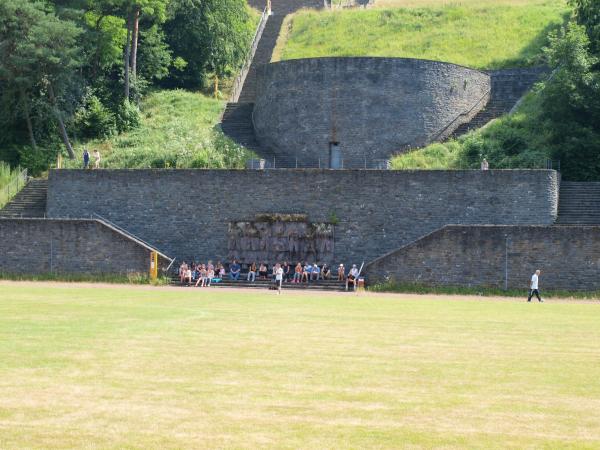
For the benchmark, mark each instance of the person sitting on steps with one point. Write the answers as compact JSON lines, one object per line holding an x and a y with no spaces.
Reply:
{"x":234,"y":271}
{"x":252,"y":272}
{"x":352,"y":277}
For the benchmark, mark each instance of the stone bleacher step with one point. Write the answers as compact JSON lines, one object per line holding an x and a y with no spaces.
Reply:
{"x":29,"y":202}
{"x":579,"y":203}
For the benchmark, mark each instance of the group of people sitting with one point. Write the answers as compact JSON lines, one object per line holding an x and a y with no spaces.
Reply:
{"x":202,"y":274}
{"x":205,"y":274}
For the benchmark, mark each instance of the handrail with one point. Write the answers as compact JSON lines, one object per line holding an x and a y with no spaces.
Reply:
{"x":238,"y":84}
{"x":460,"y":115}
{"x":122,"y":230}
{"x":7,"y":192}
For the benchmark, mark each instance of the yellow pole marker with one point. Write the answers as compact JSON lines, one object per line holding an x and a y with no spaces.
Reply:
{"x":153,"y":265}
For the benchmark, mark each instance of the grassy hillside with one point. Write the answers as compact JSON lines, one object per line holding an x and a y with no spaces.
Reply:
{"x":177,"y":130}
{"x":511,"y":141}
{"x":476,"y":34}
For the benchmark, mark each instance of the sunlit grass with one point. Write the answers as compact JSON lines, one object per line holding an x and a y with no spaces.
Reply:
{"x":177,"y":130}
{"x":124,"y":367}
{"x":474,"y":34}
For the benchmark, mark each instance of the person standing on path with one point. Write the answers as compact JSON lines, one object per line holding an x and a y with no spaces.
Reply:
{"x":534,"y":286}
{"x":279,"y":278}
{"x":96,"y":159}
{"x":86,"y":159}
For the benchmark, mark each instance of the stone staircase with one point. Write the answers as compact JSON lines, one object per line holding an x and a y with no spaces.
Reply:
{"x":237,"y":124}
{"x":237,"y":118}
{"x":29,"y":202}
{"x":579,"y":203}
{"x":508,"y":86}
{"x":321,"y":285}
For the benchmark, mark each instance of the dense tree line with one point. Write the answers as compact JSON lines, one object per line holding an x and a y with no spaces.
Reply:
{"x":78,"y":68}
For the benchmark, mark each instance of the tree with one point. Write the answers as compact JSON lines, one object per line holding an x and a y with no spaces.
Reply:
{"x":588,"y":15}
{"x":571,"y":103}
{"x":211,"y":36}
{"x":39,"y":52}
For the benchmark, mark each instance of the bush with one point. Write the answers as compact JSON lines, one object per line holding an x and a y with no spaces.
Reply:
{"x":94,"y":120}
{"x":128,"y":117}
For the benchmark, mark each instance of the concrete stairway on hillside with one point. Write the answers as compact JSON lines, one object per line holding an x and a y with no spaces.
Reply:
{"x":237,"y":124}
{"x":508,"y":86}
{"x":237,"y":118}
{"x":30,"y":202}
{"x":579,"y":203}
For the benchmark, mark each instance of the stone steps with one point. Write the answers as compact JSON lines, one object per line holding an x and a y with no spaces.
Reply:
{"x":579,"y":203}
{"x":508,"y":86}
{"x":321,"y":285}
{"x":29,"y":202}
{"x":237,"y":118}
{"x":237,"y":124}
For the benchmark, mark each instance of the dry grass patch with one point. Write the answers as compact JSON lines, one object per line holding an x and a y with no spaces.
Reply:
{"x":169,"y":368}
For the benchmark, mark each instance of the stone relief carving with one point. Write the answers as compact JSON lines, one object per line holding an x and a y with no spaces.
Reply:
{"x":273,"y":238}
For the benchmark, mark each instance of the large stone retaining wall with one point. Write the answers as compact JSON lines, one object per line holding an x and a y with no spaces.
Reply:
{"x":569,"y":257}
{"x":374,"y":107}
{"x":43,"y":246}
{"x":186,"y":213}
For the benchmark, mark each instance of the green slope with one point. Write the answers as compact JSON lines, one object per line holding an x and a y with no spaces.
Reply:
{"x":487,"y":35}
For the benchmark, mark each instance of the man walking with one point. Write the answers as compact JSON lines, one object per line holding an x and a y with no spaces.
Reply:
{"x":534,"y":286}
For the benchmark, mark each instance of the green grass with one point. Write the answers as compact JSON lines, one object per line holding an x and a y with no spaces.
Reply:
{"x":512,"y":141}
{"x":177,"y":130}
{"x":415,"y":288}
{"x":490,"y":35}
{"x":182,"y":368}
{"x":10,"y":183}
{"x":132,"y":278}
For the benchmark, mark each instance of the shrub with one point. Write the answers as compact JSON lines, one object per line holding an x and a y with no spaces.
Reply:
{"x":94,"y":120}
{"x":128,"y":117}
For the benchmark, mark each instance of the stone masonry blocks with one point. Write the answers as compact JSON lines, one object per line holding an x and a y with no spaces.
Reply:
{"x":185,"y":213}
{"x":374,"y":107}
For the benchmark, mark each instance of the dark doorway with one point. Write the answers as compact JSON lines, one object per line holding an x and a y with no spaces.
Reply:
{"x":335,"y":156}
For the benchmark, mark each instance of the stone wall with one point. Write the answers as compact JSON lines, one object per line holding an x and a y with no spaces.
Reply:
{"x":43,"y":246}
{"x":569,"y":257}
{"x":186,"y":213}
{"x":374,"y":107}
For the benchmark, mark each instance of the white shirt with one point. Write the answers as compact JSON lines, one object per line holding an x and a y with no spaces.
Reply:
{"x":354,"y":272}
{"x":534,"y":281}
{"x":279,"y":275}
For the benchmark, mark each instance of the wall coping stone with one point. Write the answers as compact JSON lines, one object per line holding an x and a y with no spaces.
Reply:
{"x":367,"y":58}
{"x":83,"y":220}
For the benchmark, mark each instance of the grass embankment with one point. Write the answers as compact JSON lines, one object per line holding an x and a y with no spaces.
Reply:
{"x":8,"y":176}
{"x":492,"y":35}
{"x":177,"y":130}
{"x":508,"y":142}
{"x":177,"y":368}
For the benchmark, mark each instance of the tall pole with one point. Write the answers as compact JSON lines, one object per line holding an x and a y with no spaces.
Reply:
{"x":506,"y":262}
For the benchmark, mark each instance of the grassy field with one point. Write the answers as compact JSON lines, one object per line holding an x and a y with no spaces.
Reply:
{"x":177,"y":130}
{"x":475,"y":34}
{"x":123,"y":367}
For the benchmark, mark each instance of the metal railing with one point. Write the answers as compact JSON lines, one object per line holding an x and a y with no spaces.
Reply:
{"x":299,"y":162}
{"x":129,"y":234}
{"x":238,"y":84}
{"x":13,"y":188}
{"x":448,"y":130}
